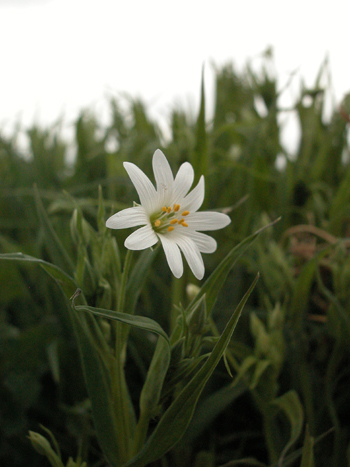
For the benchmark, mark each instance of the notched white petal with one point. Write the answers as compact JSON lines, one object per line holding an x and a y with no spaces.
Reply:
{"x":144,"y":187}
{"x":205,"y":243}
{"x":183,"y":182}
{"x":194,"y":199}
{"x":141,"y":239}
{"x":208,"y":221}
{"x":192,"y":255}
{"x":164,"y":177}
{"x":173,"y":255}
{"x":130,"y":217}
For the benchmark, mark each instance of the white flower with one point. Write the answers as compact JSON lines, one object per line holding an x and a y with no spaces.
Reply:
{"x":170,"y":215}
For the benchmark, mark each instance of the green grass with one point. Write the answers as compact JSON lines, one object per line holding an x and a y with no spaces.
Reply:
{"x":289,"y":357}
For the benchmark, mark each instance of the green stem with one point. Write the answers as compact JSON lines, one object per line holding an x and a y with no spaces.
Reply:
{"x":177,"y":296}
{"x":269,"y":433}
{"x":141,"y":432}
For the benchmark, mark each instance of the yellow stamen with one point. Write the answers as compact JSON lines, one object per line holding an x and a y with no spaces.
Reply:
{"x":184,"y":224}
{"x":176,"y":207}
{"x":164,"y":209}
{"x":157,"y":223}
{"x":169,"y":210}
{"x":174,"y":221}
{"x":170,"y":228}
{"x":181,"y":221}
{"x":185,"y":213}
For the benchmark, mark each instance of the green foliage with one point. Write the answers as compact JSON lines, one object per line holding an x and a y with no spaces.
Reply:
{"x":284,"y":379}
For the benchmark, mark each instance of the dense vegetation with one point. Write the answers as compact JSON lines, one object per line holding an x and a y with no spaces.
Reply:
{"x":285,"y":380}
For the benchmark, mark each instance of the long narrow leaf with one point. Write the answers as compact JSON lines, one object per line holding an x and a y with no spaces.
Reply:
{"x":66,"y":282}
{"x":54,"y":245}
{"x":213,"y":284}
{"x":98,"y":384}
{"x":175,"y":420}
{"x":200,"y":160}
{"x":241,"y":462}
{"x":290,"y":404}
{"x":210,"y":408}
{"x":138,"y":278}
{"x":95,"y":371}
{"x":141,"y":322}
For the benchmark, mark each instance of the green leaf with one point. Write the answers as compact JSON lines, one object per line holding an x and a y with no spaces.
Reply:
{"x":291,"y":458}
{"x":91,"y":346}
{"x":53,"y":440}
{"x":138,"y":278}
{"x":245,"y":461}
{"x":56,"y":250}
{"x":260,"y":369}
{"x":290,"y":404}
{"x":248,"y":363}
{"x":176,"y":419}
{"x":200,"y":159}
{"x":213,"y":284}
{"x":101,"y":216}
{"x":152,"y":387}
{"x":151,"y":391}
{"x":97,"y":377}
{"x":301,"y":292}
{"x":141,"y":322}
{"x":66,"y":282}
{"x":210,"y":408}
{"x":340,"y":205}
{"x":307,"y":459}
{"x":43,"y":447}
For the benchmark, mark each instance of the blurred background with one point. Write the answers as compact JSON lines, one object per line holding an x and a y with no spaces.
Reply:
{"x":86,"y":85}
{"x":59,"y":56}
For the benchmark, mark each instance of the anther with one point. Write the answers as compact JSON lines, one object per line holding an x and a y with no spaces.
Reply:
{"x":184,"y":224}
{"x":164,"y":209}
{"x":181,"y":221}
{"x":157,"y":223}
{"x":176,"y":207}
{"x":185,"y":213}
{"x":174,"y":221}
{"x":170,"y":228}
{"x":169,"y":210}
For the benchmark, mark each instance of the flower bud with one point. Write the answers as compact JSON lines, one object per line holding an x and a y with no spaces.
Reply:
{"x":43,"y":447}
{"x":275,"y":318}
{"x":262,"y":339}
{"x":192,"y":291}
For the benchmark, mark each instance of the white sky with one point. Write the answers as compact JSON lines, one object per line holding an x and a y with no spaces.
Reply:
{"x":59,"y":56}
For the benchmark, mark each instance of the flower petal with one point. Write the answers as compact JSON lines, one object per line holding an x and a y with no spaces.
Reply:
{"x":164,"y":177}
{"x":207,"y":220}
{"x":173,"y":255}
{"x":130,"y":217}
{"x":194,"y":199}
{"x":204,"y":243}
{"x":141,"y":239}
{"x":144,"y":187}
{"x":183,"y":182}
{"x":192,"y":255}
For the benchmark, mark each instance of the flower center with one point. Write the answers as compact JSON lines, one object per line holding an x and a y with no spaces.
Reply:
{"x":168,"y":218}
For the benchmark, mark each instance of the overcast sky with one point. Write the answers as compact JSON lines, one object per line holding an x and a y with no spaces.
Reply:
{"x":58,"y":56}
